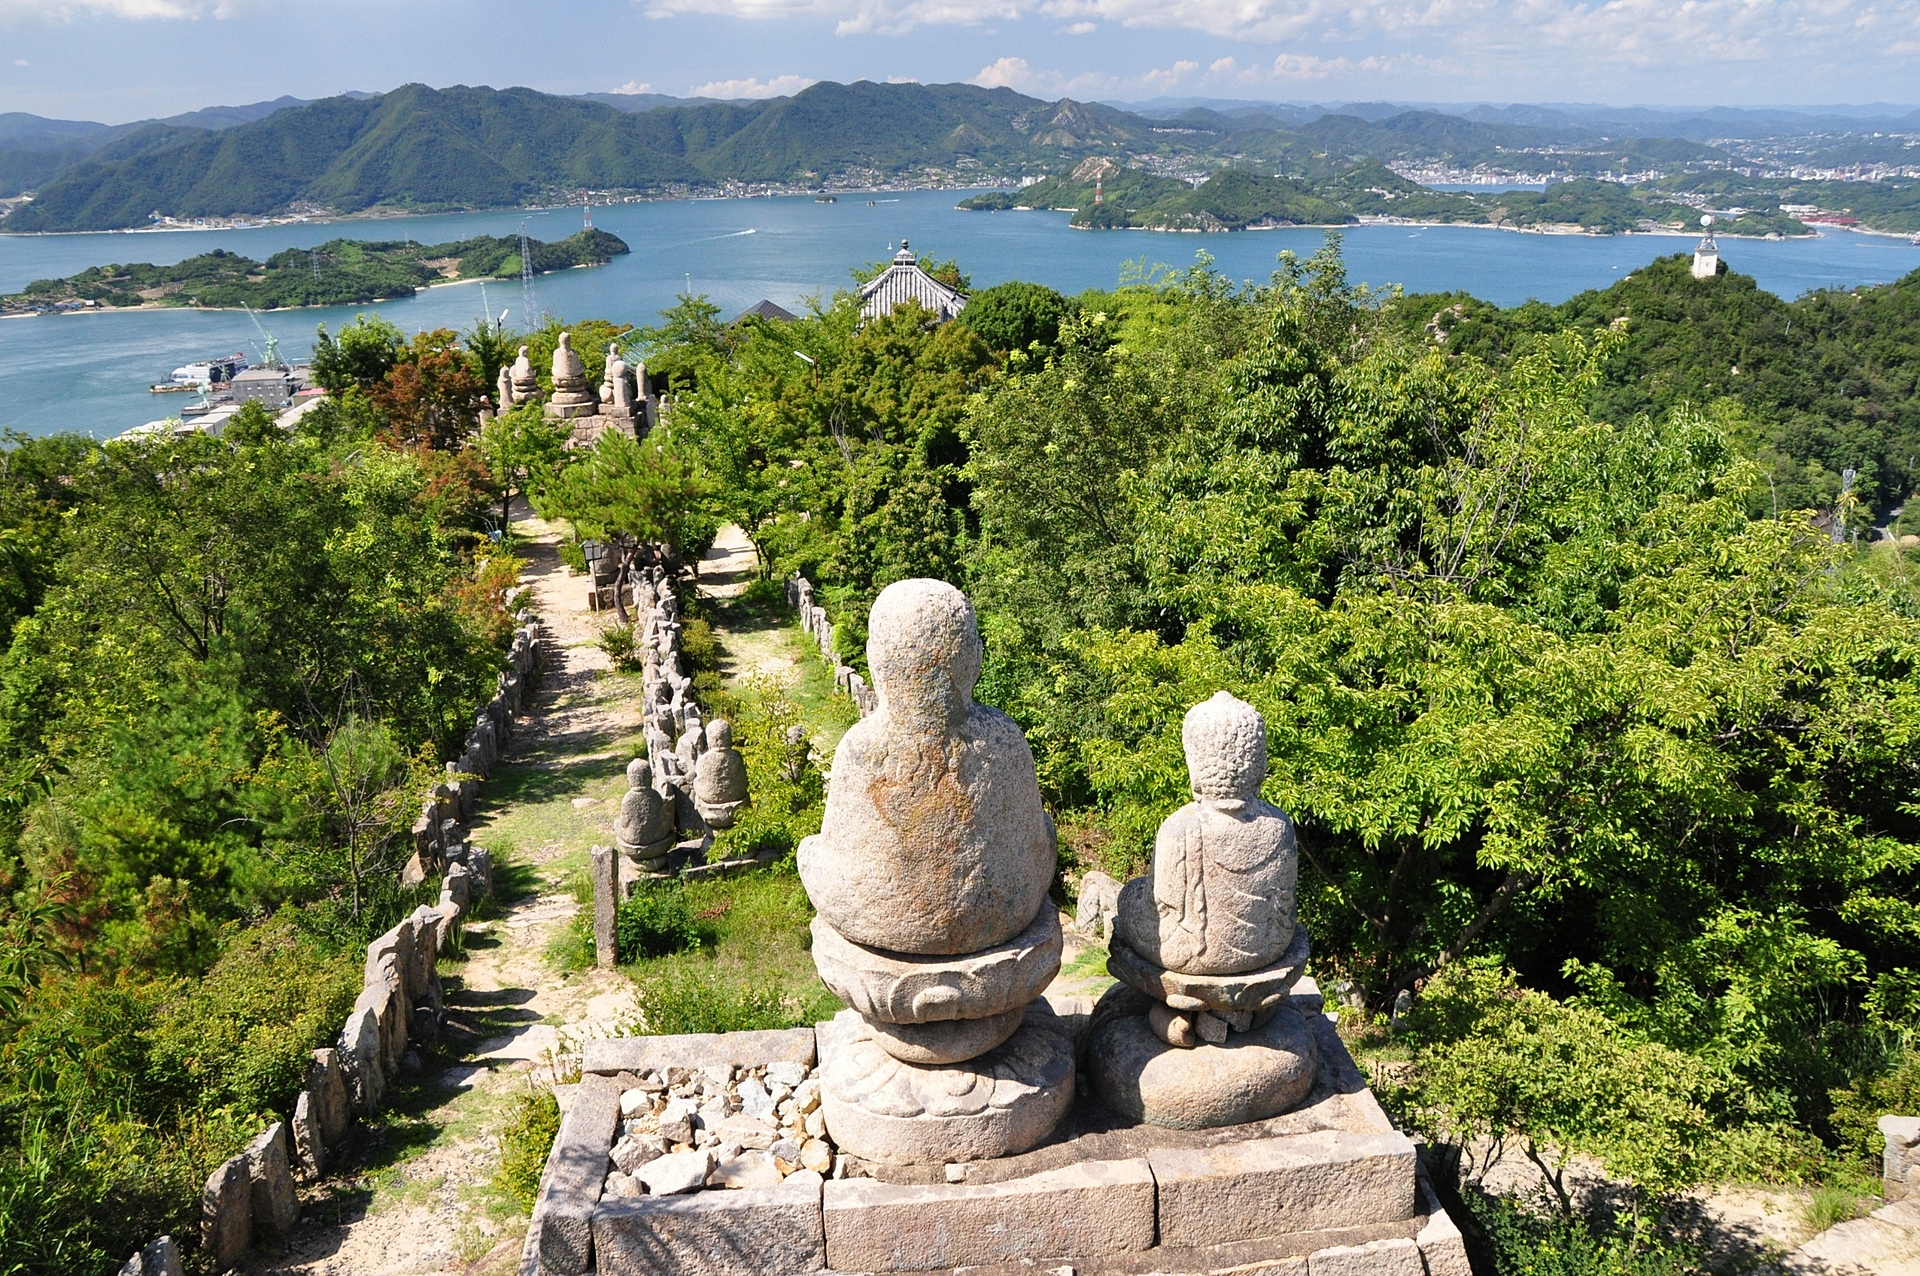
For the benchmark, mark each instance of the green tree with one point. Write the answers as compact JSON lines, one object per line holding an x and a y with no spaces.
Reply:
{"x":364,"y":353}
{"x":522,"y":450}
{"x":644,"y":498}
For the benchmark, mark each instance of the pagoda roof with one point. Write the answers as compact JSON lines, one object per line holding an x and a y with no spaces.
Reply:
{"x":904,"y":281}
{"x":764,"y":309}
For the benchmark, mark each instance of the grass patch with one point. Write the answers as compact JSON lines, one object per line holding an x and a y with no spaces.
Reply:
{"x":754,"y":965}
{"x":525,"y":1140}
{"x":1830,"y":1206}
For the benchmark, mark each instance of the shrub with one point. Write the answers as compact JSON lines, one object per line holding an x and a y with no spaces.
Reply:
{"x":1499,"y":1061}
{"x":654,"y":921}
{"x":1858,"y":1109}
{"x":622,"y":648}
{"x":532,"y":1124}
{"x":1531,"y":1241}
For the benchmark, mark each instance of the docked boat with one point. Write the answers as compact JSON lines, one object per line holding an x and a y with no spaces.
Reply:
{"x":201,"y":375}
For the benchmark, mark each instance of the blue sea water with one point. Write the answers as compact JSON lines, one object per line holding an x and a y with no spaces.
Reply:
{"x":89,"y":371}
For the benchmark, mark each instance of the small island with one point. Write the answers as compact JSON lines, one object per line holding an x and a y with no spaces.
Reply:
{"x":340,"y":272}
{"x":1103,"y":195}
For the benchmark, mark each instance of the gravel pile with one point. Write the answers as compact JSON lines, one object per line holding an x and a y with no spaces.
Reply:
{"x":685,"y":1130}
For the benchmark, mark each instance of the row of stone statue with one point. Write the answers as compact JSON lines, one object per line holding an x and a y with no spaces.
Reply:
{"x":692,"y":780}
{"x":929,"y":878}
{"x":622,"y":392}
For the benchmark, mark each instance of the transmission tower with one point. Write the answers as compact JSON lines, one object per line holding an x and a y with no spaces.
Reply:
{"x":526,"y":276}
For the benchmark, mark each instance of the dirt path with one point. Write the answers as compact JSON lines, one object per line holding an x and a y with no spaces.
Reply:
{"x":422,"y":1203}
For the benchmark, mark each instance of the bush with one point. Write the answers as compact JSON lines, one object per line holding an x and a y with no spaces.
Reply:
{"x":1531,"y":1241}
{"x":621,"y":646}
{"x":1857,"y":1110}
{"x":531,"y":1126}
{"x":654,"y":921}
{"x":1498,"y":1061}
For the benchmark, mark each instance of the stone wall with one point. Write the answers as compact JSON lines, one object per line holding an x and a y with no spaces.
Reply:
{"x":251,"y":1195}
{"x":813,"y":618}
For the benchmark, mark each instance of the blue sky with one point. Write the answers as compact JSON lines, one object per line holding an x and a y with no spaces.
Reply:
{"x":127,"y":59}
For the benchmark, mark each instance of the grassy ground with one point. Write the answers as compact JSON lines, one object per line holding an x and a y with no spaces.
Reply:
{"x":760,"y":639}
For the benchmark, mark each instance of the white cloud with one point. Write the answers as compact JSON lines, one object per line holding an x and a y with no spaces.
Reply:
{"x":21,"y":62}
{"x":1016,"y":73}
{"x":778,"y":86}
{"x":633,"y":86}
{"x":1522,"y":38}
{"x":21,"y":12}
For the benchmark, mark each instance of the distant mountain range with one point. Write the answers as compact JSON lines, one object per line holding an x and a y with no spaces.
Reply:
{"x":424,"y":149}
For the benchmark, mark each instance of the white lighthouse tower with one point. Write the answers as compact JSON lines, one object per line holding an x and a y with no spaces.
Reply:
{"x":1706,"y":258}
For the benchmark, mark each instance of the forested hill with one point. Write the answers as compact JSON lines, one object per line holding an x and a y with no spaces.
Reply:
{"x":426,"y":148}
{"x":1813,"y":387}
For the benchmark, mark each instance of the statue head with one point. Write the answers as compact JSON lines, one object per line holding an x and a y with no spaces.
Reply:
{"x":639,"y":774}
{"x":924,"y":648}
{"x":1226,"y":746}
{"x":719,"y":734}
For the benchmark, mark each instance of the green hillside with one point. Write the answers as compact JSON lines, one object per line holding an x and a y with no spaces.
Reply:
{"x":340,"y":272}
{"x":422,"y":148}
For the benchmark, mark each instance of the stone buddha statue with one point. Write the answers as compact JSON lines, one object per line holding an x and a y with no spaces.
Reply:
{"x":644,"y":828}
{"x":616,"y":393}
{"x":526,"y":383}
{"x":1220,"y":896}
{"x":570,"y":397}
{"x":1200,"y":1031}
{"x":929,"y":879}
{"x":934,"y":839}
{"x":720,"y":779}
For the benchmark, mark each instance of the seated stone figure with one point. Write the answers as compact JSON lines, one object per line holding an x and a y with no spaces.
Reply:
{"x":1201,"y":1032}
{"x":720,"y":780}
{"x":1219,"y":898}
{"x":934,"y":840}
{"x":644,"y":828}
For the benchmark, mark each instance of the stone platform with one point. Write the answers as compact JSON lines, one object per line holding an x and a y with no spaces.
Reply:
{"x":1328,"y":1189}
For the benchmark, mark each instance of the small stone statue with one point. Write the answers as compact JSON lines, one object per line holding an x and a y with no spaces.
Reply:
{"x":570,"y":398}
{"x":720,"y":781}
{"x":503,"y":388}
{"x":644,"y":829}
{"x":526,"y":383}
{"x":794,"y":765}
{"x":616,"y":395}
{"x":1207,"y":948}
{"x":693,"y":741}
{"x":1219,"y":899}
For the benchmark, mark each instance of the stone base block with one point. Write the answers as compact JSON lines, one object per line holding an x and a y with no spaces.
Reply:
{"x":1006,"y":1101}
{"x":728,"y":1233}
{"x":1257,"y":991}
{"x":1085,"y":1210}
{"x":608,"y":1056}
{"x":1251,"y":1076}
{"x":1269,"y":1187}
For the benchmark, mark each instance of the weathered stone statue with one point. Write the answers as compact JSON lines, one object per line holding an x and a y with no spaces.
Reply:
{"x":503,"y":389}
{"x":1208,"y":947}
{"x":720,"y":780}
{"x":616,"y":394}
{"x":644,"y":829}
{"x":930,"y":876}
{"x":693,"y":741}
{"x":1220,"y":897}
{"x":526,"y":382}
{"x":570,"y":398}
